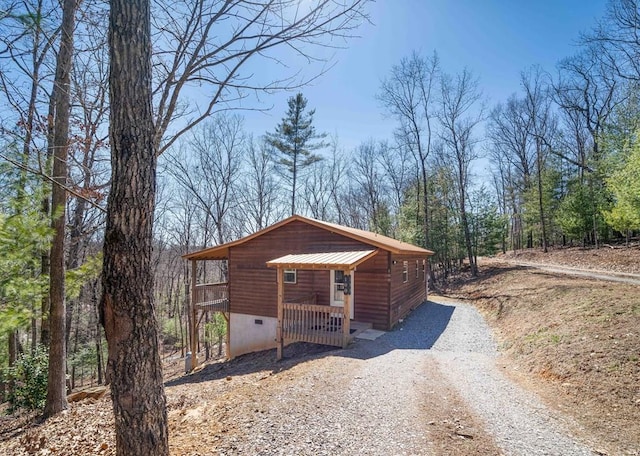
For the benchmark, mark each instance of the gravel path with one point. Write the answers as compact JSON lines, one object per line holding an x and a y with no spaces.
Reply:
{"x":519,"y":422}
{"x":393,"y":395}
{"x":610,"y":276}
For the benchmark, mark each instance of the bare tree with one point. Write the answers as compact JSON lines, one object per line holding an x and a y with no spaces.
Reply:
{"x":409,"y":95}
{"x":316,"y":192}
{"x":211,"y":174}
{"x":513,"y":154}
{"x":370,"y":186}
{"x":260,"y":190}
{"x":459,"y":116}
{"x":56,"y":384}
{"x":396,"y":163}
{"x":209,"y":44}
{"x":543,"y":127}
{"x":587,"y":93}
{"x":616,"y":39}
{"x":88,"y":147}
{"x":338,"y":170}
{"x":28,"y":35}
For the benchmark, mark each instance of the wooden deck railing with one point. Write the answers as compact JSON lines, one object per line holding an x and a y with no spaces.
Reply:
{"x":212,"y":296}
{"x":312,"y":323}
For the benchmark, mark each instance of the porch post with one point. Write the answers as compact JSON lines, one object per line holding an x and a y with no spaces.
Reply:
{"x":194,"y":321}
{"x":279,"y":339}
{"x":426,"y":278}
{"x":346,"y":312}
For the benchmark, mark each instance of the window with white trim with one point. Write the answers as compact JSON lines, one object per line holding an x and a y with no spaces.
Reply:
{"x":417,"y":269}
{"x":290,"y":276}
{"x":424,"y":270}
{"x":405,"y":271}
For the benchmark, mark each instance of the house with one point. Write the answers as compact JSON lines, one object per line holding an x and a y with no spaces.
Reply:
{"x":303,"y":279}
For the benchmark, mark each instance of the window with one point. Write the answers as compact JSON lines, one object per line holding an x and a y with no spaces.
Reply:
{"x":290,"y":276}
{"x":405,"y":271}
{"x":417,"y":269}
{"x":424,"y":270}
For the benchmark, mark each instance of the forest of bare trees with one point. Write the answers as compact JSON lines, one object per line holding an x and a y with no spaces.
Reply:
{"x":562,"y":152}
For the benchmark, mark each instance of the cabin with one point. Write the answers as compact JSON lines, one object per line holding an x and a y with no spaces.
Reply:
{"x":308,"y":280}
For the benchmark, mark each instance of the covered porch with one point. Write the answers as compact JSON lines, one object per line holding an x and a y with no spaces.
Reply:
{"x":301,"y":319}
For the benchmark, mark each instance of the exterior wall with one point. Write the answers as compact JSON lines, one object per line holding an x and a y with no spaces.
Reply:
{"x":245,"y":336}
{"x":406,"y":296}
{"x":253,"y":286}
{"x":371,"y":291}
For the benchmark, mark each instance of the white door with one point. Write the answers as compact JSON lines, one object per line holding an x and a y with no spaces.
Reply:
{"x":337,"y":290}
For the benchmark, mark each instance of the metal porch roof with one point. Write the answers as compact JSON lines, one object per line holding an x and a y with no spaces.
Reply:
{"x":326,"y":260}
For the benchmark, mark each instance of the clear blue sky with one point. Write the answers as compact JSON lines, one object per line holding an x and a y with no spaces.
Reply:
{"x":496,"y":39}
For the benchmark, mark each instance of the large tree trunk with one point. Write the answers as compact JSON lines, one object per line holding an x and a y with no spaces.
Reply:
{"x":543,"y":225}
{"x":45,"y":259}
{"x":56,"y":386}
{"x":98,"y":332}
{"x":14,"y":345}
{"x":134,"y":369}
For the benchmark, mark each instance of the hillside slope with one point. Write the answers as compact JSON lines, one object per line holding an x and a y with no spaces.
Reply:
{"x":574,"y":340}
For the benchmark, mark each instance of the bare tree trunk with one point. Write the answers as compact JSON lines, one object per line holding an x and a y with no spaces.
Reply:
{"x":13,"y":347}
{"x":543,"y":225}
{"x":56,"y":386}
{"x":127,"y":307}
{"x":207,"y":343}
{"x":98,"y":334}
{"x":467,"y":234}
{"x":45,"y":258}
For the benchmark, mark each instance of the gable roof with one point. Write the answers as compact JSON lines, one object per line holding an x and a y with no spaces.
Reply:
{"x":221,"y":252}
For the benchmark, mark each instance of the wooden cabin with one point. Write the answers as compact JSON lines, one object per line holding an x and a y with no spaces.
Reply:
{"x":303,"y":279}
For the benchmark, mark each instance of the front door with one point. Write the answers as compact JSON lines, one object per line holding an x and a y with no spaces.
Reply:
{"x":337,"y":290}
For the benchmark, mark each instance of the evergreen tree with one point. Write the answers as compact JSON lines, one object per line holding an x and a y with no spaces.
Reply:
{"x":294,"y":142}
{"x":624,"y":183}
{"x":23,"y":233}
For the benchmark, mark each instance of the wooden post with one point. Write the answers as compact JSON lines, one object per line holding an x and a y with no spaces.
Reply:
{"x":426,"y":279}
{"x":279,"y":338}
{"x":194,"y":322}
{"x":346,"y":312}
{"x":227,"y":319}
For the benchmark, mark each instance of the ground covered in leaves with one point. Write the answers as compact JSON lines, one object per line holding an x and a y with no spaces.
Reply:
{"x":573,"y":340}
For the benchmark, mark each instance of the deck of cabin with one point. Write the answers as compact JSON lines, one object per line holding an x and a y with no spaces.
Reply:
{"x":303,"y":320}
{"x":212,"y":296}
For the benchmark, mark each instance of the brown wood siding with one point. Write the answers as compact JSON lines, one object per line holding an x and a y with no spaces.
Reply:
{"x":253,"y":288}
{"x":409,"y":295}
{"x":371,"y":291}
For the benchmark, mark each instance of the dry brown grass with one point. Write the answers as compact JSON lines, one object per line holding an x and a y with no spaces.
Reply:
{"x":576,"y":341}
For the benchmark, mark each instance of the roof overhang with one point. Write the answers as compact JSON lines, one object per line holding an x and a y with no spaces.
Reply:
{"x":327,"y":260}
{"x":373,"y":240}
{"x":219,"y":252}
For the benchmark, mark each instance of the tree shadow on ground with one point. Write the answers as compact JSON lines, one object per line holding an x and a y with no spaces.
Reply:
{"x":418,"y":331}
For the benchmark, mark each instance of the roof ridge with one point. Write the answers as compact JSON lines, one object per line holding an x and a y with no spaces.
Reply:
{"x":367,"y":237}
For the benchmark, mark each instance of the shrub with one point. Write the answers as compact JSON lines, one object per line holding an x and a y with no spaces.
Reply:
{"x":27,"y":381}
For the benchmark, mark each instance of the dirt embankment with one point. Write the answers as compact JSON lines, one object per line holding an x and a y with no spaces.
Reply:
{"x":575,"y":340}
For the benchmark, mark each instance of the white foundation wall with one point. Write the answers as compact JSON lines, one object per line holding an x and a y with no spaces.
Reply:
{"x":247,"y":335}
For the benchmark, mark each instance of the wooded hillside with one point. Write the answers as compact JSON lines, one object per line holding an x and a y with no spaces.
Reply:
{"x":562,"y":152}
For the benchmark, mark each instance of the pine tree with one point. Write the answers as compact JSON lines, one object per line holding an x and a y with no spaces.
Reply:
{"x":293,"y":141}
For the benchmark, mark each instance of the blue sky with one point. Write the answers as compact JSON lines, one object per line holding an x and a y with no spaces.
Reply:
{"x":495,"y":39}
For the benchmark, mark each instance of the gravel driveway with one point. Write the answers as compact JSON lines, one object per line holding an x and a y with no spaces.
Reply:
{"x":387,"y":397}
{"x":519,"y":422}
